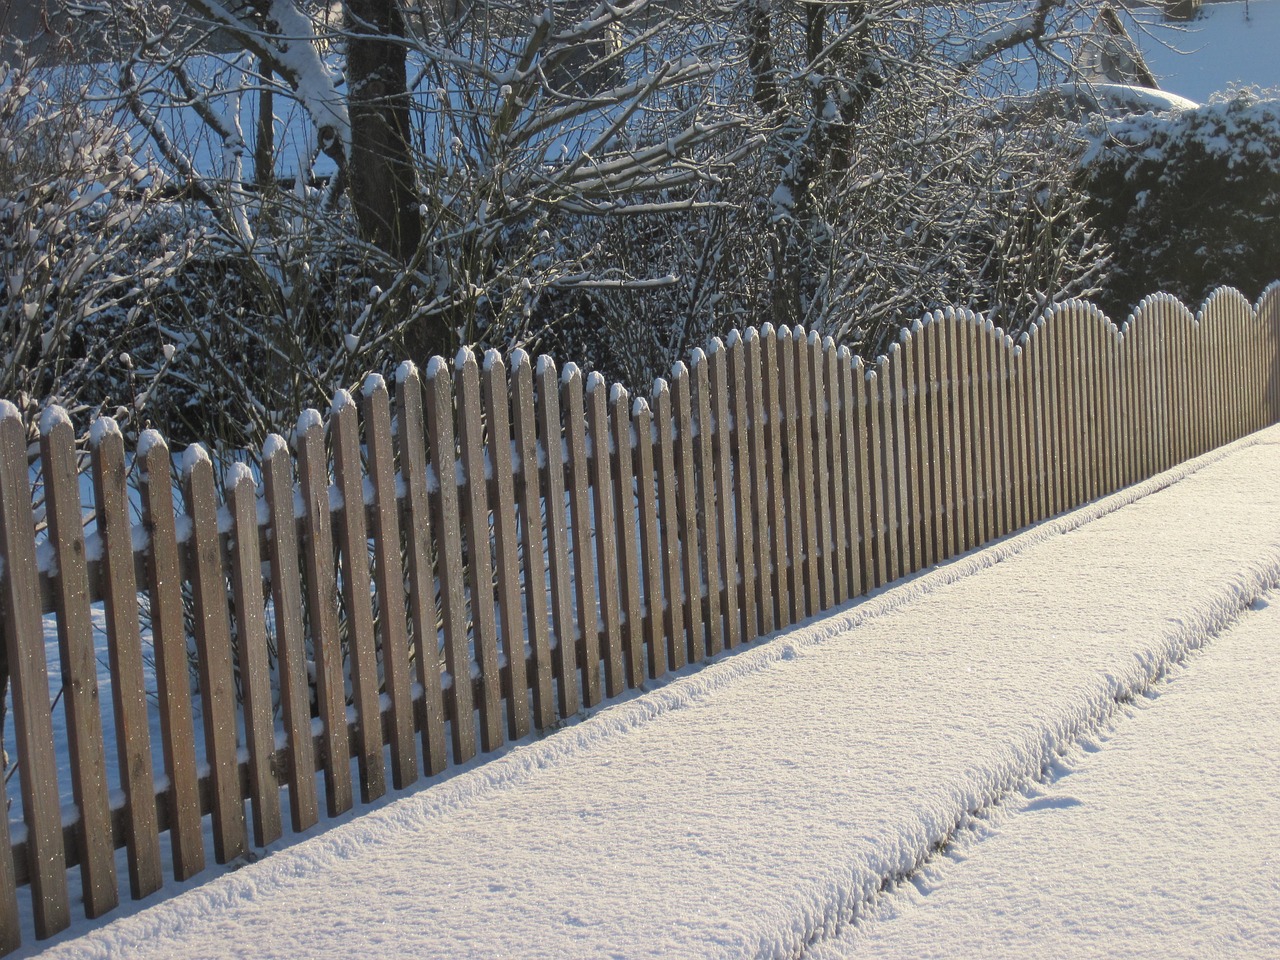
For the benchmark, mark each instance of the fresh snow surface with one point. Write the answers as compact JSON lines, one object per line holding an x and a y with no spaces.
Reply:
{"x":756,"y":806}
{"x":1157,"y":837}
{"x":1230,"y":43}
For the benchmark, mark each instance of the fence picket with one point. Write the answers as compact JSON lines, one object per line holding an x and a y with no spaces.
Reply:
{"x":803,"y":467}
{"x":823,"y":473}
{"x":169,"y":644}
{"x":758,"y":445}
{"x":728,"y":525}
{"x":213,"y":653}
{"x":669,"y":512}
{"x":251,"y":643}
{"x":838,"y":529}
{"x":788,"y":423}
{"x":29,"y":676}
{"x":94,"y":847}
{"x":605,"y":530}
{"x":857,"y":437}
{"x":506,"y":547}
{"x":388,"y":580}
{"x":779,"y":575}
{"x":479,"y":551}
{"x":651,"y":550}
{"x":905,"y":468}
{"x":444,"y":519}
{"x":687,"y":512}
{"x":565,"y":657}
{"x":743,"y":492}
{"x":587,"y":642}
{"x":124,"y":645}
{"x":291,"y":652}
{"x":531,"y":542}
{"x":322,"y":612}
{"x":708,"y":500}
{"x":624,"y":497}
{"x":362,"y":652}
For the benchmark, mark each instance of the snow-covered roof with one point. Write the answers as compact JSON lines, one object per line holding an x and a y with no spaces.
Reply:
{"x":1229,"y":43}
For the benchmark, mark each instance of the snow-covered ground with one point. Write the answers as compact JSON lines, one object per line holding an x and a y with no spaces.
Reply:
{"x":1230,"y":43}
{"x":759,"y":806}
{"x":1159,"y":837}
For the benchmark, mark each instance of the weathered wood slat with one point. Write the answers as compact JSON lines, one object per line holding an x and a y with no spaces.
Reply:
{"x":758,"y":447}
{"x":859,"y":492}
{"x":357,"y":602}
{"x":606,"y":534}
{"x":29,"y":676}
{"x":966,"y":439}
{"x":925,"y":439}
{"x":85,"y":742}
{"x":213,"y":654}
{"x":687,"y":513}
{"x":877,"y":541}
{"x":728,"y":536}
{"x":708,"y":501}
{"x":584,"y":569}
{"x":445,"y":511}
{"x":744,"y":471}
{"x":322,"y":612}
{"x":565,"y":656}
{"x":833,"y":369}
{"x":169,"y":643}
{"x":506,"y":546}
{"x":628,"y":532}
{"x":651,"y":552}
{"x":793,"y":445}
{"x":775,"y":545}
{"x":802,"y":427}
{"x":388,"y":574}
{"x":479,"y":549}
{"x":822,"y":475}
{"x":902,"y":466}
{"x":891,"y":432}
{"x":669,"y":516}
{"x":944,"y":339}
{"x":529,"y":500}
{"x":124,"y":646}
{"x":251,"y":645}
{"x":291,"y":650}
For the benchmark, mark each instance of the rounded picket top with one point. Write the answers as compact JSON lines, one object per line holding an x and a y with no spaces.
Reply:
{"x":1225,"y":302}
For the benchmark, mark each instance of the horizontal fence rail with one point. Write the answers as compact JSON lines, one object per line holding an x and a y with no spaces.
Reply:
{"x":493,"y":545}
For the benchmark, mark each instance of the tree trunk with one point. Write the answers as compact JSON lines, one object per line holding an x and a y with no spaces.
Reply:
{"x":380,"y":169}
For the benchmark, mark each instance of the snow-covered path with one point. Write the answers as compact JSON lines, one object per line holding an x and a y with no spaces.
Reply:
{"x":1159,"y":838}
{"x":752,"y":808}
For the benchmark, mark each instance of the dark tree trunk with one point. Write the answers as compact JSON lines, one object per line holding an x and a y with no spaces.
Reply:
{"x":380,"y":169}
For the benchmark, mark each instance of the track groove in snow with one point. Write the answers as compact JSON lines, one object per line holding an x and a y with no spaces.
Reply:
{"x":753,"y":807}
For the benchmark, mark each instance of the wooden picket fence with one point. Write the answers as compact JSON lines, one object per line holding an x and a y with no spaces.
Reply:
{"x":530,"y":544}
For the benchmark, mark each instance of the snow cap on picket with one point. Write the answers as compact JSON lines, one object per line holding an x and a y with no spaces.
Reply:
{"x":237,"y":473}
{"x":273,"y":446}
{"x":406,"y":369}
{"x":308,"y":419}
{"x":102,"y":428}
{"x":192,"y":457}
{"x":50,"y":417}
{"x":148,"y":439}
{"x":372,"y":384}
